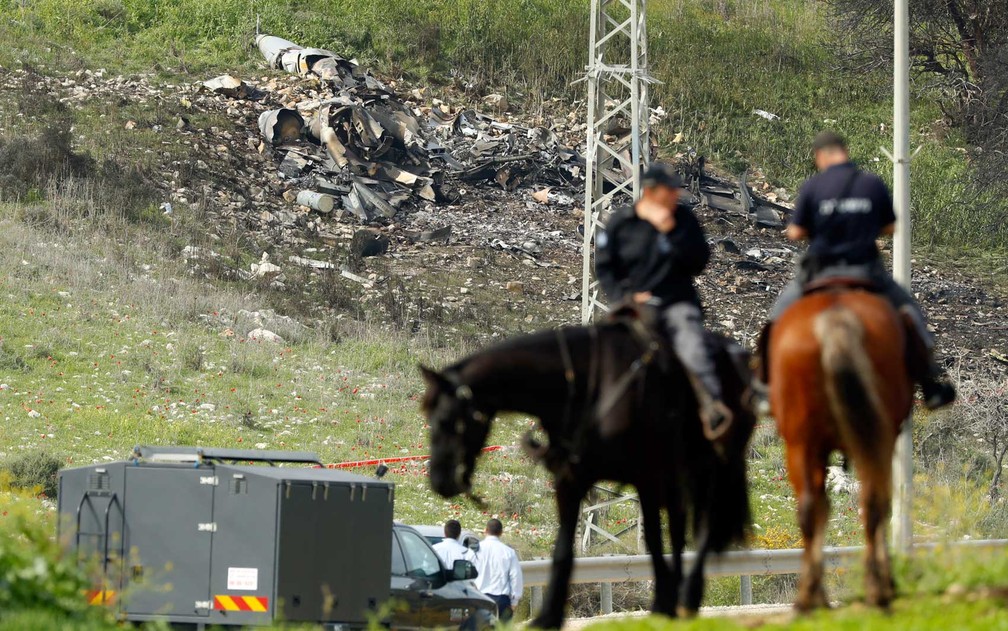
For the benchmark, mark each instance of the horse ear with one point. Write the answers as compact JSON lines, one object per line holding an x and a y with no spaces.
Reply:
{"x":433,"y":378}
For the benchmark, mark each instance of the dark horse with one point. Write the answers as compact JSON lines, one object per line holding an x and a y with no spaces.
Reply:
{"x":614,"y":407}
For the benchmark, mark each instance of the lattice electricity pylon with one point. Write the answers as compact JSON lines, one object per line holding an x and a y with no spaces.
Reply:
{"x":619,"y":144}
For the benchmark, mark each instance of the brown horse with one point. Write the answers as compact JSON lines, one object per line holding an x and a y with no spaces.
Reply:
{"x":838,"y":381}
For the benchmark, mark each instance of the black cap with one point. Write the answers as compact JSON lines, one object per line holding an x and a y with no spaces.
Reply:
{"x":829,"y":140}
{"x":660,"y":174}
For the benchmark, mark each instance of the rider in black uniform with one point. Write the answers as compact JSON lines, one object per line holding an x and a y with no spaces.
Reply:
{"x":841,"y":211}
{"x":649,"y":253}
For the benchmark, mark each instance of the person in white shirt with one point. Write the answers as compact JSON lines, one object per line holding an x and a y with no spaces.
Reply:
{"x":500,"y":575}
{"x":449,"y":548}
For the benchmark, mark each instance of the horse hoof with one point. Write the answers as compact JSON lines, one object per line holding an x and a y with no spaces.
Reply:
{"x":686,"y":613}
{"x":879,"y":600}
{"x":545,"y":623}
{"x":808,"y":605}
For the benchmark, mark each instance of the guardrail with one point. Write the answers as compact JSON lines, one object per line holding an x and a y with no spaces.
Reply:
{"x":607,"y":570}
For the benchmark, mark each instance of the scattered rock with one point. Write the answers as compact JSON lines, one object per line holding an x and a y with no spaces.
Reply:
{"x":265,"y":335}
{"x":839,"y":481}
{"x":228,"y":86}
{"x":265,"y":269}
{"x":311,"y":263}
{"x":497,"y":102}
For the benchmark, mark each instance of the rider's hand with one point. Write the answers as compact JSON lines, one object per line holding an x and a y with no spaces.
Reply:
{"x":661,"y":217}
{"x":641,"y":297}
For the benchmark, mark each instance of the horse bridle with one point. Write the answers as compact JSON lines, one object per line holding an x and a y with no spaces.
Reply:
{"x":463,"y":392}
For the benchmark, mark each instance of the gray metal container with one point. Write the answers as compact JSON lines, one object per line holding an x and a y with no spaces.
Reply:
{"x":189,"y":536}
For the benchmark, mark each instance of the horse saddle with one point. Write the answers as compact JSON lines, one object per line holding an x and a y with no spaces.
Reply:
{"x":828,"y":283}
{"x":645,"y":322}
{"x":647,"y":316}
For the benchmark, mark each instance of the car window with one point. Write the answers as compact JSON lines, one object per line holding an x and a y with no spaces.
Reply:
{"x":398,"y":564}
{"x":421,"y":560}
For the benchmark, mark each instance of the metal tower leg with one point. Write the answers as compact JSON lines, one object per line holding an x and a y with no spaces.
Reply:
{"x":619,"y":145}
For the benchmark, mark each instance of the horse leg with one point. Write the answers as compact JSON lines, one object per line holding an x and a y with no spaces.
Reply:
{"x":875,"y":505}
{"x":807,"y":470}
{"x":665,"y":599}
{"x":677,"y":532}
{"x":568,"y":499}
{"x":693,"y":588}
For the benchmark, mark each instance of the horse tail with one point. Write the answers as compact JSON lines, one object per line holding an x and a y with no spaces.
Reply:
{"x":851,"y":386}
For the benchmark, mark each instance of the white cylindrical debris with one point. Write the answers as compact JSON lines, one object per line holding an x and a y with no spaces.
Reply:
{"x":319,"y":201}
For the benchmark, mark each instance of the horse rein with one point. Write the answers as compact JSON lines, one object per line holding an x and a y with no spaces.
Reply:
{"x":632,"y":373}
{"x":621,"y":386}
{"x":570,"y":375}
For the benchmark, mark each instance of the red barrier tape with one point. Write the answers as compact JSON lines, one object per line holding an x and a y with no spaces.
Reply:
{"x":377,"y":461}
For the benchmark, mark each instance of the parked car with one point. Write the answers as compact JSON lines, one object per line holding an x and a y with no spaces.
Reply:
{"x":434,"y":534}
{"x":432,"y":596}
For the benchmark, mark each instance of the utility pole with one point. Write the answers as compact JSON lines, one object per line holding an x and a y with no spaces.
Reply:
{"x":619,"y":145}
{"x":902,"y":517}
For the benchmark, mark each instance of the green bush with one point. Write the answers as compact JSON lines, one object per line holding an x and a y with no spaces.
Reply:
{"x":34,"y":574}
{"x":34,"y":470}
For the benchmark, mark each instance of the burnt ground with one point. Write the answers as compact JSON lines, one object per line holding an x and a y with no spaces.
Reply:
{"x":510,"y":263}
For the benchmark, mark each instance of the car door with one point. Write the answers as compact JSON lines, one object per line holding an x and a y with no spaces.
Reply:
{"x":424,"y":567}
{"x":408,"y":612}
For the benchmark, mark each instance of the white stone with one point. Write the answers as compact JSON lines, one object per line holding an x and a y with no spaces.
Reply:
{"x":264,"y":335}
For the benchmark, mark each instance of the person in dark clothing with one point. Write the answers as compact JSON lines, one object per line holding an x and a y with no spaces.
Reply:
{"x":649,"y":253}
{"x":841,"y":212}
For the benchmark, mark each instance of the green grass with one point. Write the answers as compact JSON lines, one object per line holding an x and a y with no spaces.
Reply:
{"x":955,"y":589}
{"x":933,"y":613}
{"x":105,"y":355}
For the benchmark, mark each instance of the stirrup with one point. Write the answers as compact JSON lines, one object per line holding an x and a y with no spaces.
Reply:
{"x":717,"y":419}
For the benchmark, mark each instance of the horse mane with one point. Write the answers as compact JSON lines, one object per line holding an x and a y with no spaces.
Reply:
{"x":507,"y":346}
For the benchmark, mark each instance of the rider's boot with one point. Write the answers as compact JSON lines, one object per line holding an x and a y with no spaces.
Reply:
{"x":937,"y":391}
{"x":714,"y":414}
